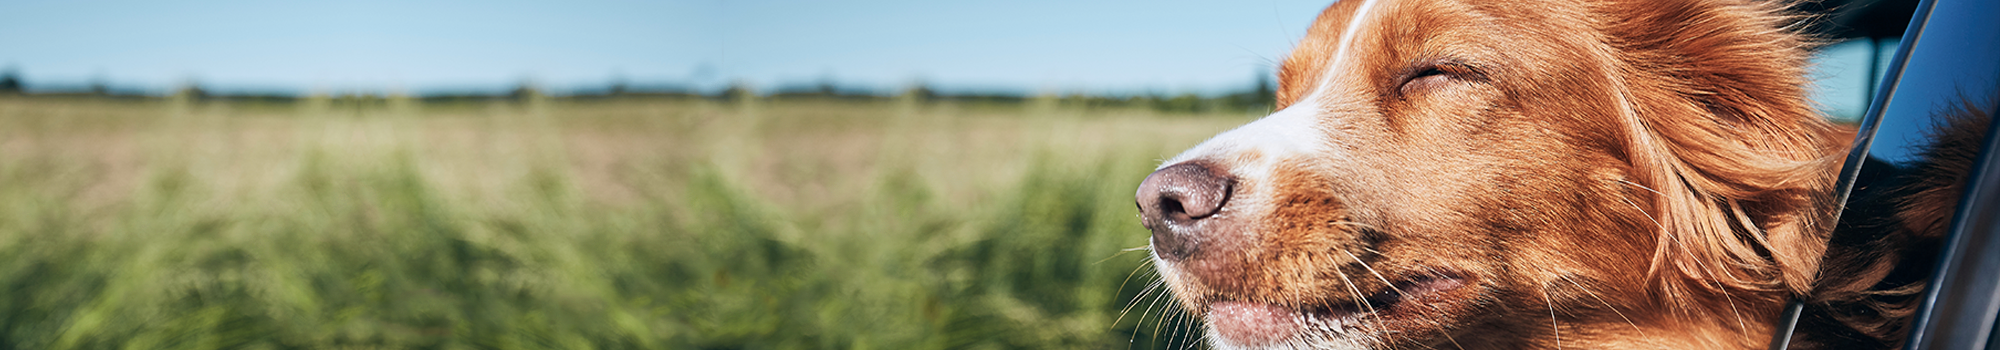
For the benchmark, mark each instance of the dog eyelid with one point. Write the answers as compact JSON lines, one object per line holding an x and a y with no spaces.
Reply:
{"x":1428,"y":73}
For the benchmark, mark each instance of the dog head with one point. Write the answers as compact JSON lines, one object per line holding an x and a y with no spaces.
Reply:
{"x":1508,"y":174}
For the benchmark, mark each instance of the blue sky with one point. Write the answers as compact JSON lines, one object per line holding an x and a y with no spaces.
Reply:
{"x":1841,"y":72}
{"x":374,"y":46}
{"x":364,"y":46}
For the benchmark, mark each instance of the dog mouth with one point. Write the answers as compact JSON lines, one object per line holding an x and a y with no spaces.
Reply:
{"x":1247,"y":323}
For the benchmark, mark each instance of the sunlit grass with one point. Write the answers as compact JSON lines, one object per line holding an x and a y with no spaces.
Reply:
{"x":553,"y":223}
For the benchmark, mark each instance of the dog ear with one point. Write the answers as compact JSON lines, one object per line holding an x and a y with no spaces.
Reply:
{"x":1719,"y":128}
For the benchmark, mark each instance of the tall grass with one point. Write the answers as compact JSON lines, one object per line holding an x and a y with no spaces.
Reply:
{"x":622,"y":224}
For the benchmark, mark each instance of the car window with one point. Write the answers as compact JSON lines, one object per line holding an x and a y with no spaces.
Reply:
{"x":1937,"y":91}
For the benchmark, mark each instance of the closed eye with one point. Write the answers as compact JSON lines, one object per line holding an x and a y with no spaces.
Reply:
{"x":1431,"y":75}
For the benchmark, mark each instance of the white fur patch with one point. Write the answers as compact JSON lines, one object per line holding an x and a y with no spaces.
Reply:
{"x":1288,"y":133}
{"x":1346,"y":40}
{"x":1253,"y":151}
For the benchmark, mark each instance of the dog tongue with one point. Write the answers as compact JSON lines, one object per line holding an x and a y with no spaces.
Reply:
{"x":1252,"y":324}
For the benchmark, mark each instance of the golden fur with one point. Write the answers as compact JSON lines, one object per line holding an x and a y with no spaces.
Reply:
{"x":1602,"y":174}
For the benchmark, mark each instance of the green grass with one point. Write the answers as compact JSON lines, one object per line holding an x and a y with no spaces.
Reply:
{"x":360,"y":223}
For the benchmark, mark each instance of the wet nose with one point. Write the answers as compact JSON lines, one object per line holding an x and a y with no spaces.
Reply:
{"x":1174,"y":201}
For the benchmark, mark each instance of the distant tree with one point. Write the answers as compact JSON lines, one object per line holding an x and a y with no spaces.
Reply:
{"x":826,"y":88}
{"x":524,"y":91}
{"x":1183,"y":103}
{"x":735,"y":91}
{"x":10,"y":82}
{"x":1266,"y":95}
{"x":921,"y":92}
{"x":1256,"y":97}
{"x":618,"y":87}
{"x":193,"y":92}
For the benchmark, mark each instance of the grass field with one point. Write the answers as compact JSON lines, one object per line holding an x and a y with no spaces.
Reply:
{"x":370,"y":223}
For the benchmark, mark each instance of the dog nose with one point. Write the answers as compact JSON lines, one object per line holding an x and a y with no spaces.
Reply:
{"x":1174,"y":201}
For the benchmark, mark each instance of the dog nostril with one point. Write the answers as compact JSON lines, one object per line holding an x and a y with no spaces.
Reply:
{"x":1174,"y":200}
{"x":1173,"y":210}
{"x":1184,"y":192}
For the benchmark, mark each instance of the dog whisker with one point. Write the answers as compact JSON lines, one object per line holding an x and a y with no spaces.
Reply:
{"x":1135,"y":301}
{"x":1185,"y":330}
{"x":1121,"y":252}
{"x":1392,"y":287}
{"x":1554,"y":326}
{"x":1359,"y":299}
{"x":1147,"y":312}
{"x":1643,"y":187}
{"x":1607,"y":304}
{"x":1156,"y":289}
{"x":1128,"y":279}
{"x":1167,"y":316}
{"x":1732,"y":309}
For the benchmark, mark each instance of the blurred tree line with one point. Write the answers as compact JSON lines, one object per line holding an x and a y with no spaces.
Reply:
{"x":1255,"y":97}
{"x":10,"y":82}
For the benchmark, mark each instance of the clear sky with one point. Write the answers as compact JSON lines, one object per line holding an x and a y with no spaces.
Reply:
{"x":1841,"y":73}
{"x":374,"y":46}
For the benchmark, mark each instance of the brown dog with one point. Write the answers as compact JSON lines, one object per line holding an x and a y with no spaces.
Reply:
{"x":1604,"y":174}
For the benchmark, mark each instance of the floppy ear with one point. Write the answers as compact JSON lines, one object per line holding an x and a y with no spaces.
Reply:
{"x":1718,"y":126}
